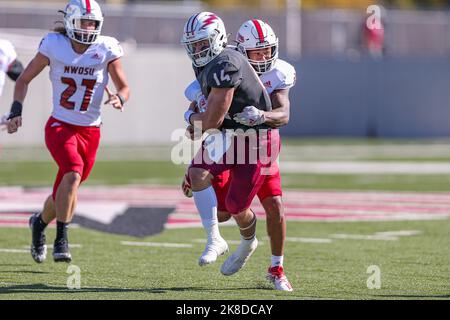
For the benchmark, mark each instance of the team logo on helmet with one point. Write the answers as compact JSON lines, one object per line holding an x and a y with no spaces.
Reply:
{"x":204,"y":37}
{"x":208,"y":21}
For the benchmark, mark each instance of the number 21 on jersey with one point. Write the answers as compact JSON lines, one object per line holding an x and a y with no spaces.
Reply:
{"x":65,"y":102}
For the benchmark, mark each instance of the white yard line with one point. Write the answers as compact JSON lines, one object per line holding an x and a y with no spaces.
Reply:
{"x":400,"y":233}
{"x":362,"y":237}
{"x":26,"y":249}
{"x":308,"y":240}
{"x":365,"y":167}
{"x":356,"y":152}
{"x":233,"y":242}
{"x":383,"y":236}
{"x":156,"y":244}
{"x":288,"y":239}
{"x":14,"y":250}
{"x":71,"y":246}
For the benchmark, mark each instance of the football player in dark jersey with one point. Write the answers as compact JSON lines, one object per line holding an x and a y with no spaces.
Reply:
{"x":259,"y":43}
{"x":230,"y":84}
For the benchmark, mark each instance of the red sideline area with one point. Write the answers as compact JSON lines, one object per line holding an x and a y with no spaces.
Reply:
{"x":16,"y":204}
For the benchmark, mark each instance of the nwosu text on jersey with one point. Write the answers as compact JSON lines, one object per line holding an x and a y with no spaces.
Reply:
{"x":79,"y":70}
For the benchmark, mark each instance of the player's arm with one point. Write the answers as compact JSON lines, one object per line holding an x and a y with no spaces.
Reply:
{"x":117,"y":100}
{"x":35,"y":67}
{"x":279,"y":116}
{"x":193,"y":93}
{"x":219,"y":102}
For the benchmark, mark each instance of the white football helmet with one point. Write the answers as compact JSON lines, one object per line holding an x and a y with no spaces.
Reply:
{"x":200,"y":27}
{"x":75,"y":12}
{"x":256,"y":34}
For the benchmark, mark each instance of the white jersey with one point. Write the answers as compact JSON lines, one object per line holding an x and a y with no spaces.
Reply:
{"x":282,"y":76}
{"x":7,"y":56}
{"x":78,"y":80}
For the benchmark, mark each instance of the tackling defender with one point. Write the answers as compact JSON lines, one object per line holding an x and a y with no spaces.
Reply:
{"x":229,"y":83}
{"x":257,"y":41}
{"x":81,"y":61}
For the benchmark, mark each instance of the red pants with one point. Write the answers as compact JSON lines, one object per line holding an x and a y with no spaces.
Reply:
{"x":271,"y":187}
{"x":247,"y":168}
{"x":74,"y":148}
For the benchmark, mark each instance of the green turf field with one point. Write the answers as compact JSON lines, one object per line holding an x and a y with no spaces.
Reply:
{"x":27,"y":173}
{"x":414,"y":267}
{"x":151,"y":165}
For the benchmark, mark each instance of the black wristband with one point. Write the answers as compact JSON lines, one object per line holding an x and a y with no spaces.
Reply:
{"x":122,"y":100}
{"x":16,"y":110}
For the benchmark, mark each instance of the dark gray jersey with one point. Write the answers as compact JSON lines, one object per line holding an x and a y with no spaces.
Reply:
{"x":230,"y":69}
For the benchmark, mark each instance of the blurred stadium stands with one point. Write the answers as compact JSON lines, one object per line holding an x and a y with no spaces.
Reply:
{"x":326,"y":32}
{"x":341,"y":90}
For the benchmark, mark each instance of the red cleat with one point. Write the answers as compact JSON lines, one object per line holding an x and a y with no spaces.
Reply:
{"x":276,"y":276}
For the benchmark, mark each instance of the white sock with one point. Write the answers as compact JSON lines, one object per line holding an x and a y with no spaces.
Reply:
{"x":277,"y":261}
{"x":206,"y":203}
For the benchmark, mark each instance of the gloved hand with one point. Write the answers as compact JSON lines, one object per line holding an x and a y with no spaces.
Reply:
{"x":250,"y":116}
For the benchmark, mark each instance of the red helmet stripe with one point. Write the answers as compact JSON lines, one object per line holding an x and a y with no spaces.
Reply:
{"x":88,"y":6}
{"x":259,"y":29}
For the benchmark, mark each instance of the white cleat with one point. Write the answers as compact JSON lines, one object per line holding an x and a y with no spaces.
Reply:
{"x":212,"y":251}
{"x":277,"y":277}
{"x":237,"y":259}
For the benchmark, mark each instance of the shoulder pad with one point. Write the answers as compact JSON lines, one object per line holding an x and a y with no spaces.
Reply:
{"x":224,"y":74}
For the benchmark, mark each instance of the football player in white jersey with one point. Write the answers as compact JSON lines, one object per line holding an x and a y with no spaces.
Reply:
{"x":81,"y":61}
{"x":9,"y":66}
{"x":257,"y":41}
